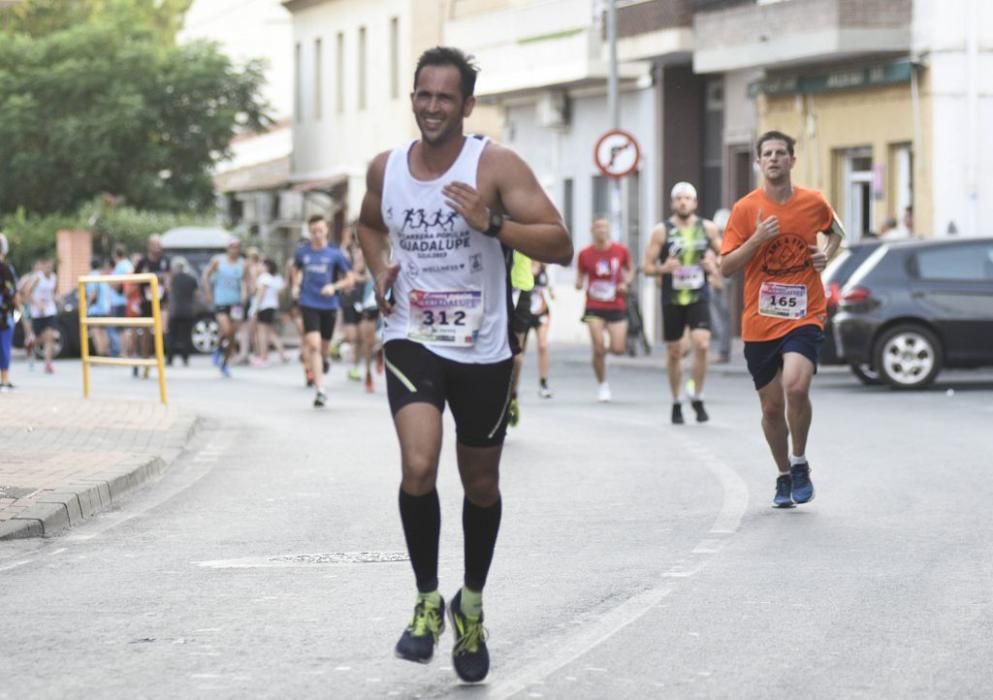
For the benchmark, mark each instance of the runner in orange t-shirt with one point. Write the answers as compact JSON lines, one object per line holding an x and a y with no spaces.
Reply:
{"x":772,"y":233}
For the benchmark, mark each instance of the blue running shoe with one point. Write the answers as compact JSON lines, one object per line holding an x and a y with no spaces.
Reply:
{"x":419,"y":639}
{"x":469,"y":656}
{"x":784,"y":487}
{"x":225,"y":372}
{"x":803,"y":487}
{"x":216,"y":357}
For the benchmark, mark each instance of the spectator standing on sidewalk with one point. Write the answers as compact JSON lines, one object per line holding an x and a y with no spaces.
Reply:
{"x":182,"y":292}
{"x":40,"y":290}
{"x":120,"y":339}
{"x":156,"y":263}
{"x":8,"y":304}
{"x":98,"y":306}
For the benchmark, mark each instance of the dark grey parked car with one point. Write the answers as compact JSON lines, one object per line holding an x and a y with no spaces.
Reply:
{"x":913,"y":308}
{"x":835,"y":275}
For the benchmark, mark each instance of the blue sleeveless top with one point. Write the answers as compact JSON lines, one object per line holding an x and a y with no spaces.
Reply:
{"x":227,"y":282}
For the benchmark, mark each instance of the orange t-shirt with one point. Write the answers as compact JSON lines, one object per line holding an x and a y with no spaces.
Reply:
{"x":782,"y":289}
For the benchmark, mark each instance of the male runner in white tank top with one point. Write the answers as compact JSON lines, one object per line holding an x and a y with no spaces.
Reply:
{"x":439,"y":221}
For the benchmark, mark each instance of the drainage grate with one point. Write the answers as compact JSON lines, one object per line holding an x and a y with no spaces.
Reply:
{"x":340,"y":558}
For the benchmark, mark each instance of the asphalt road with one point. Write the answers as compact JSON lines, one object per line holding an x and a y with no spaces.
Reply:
{"x":637,"y":559}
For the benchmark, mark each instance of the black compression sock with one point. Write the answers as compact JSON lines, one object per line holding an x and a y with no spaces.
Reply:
{"x":421,"y":517}
{"x":480,"y":527}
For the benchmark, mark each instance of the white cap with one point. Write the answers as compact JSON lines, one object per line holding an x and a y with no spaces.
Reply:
{"x":683,"y":188}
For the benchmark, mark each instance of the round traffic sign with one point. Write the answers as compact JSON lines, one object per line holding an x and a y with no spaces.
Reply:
{"x":617,"y":154}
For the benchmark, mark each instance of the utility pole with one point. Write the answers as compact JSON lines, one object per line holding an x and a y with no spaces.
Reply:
{"x":614,"y":111}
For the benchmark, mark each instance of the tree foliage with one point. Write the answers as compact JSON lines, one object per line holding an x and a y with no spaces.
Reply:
{"x":106,"y":107}
{"x":164,"y":18}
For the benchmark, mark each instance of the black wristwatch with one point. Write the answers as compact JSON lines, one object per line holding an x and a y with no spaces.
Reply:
{"x":496,"y":223}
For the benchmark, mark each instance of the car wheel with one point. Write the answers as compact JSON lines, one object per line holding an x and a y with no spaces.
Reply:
{"x":204,"y":335}
{"x":908,"y":357}
{"x":866,"y":374}
{"x":58,"y":345}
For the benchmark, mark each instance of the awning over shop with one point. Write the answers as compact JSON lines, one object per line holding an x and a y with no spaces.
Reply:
{"x":271,"y":175}
{"x":325,"y":184}
{"x":841,"y":78}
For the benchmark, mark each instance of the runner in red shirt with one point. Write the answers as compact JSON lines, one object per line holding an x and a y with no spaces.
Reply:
{"x":605,"y":269}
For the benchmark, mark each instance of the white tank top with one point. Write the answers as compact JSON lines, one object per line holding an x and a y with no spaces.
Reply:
{"x":453,"y":291}
{"x":43,"y":296}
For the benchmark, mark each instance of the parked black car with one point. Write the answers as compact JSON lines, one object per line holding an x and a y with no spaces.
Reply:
{"x":915,"y":307}
{"x":835,"y":275}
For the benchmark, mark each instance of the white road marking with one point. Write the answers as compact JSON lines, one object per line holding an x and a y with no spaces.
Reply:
{"x":733,"y":506}
{"x":8,"y":567}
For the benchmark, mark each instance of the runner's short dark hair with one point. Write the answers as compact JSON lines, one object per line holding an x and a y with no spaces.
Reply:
{"x":774,"y":136}
{"x":451,"y":56}
{"x":270,"y":266}
{"x":314,"y":219}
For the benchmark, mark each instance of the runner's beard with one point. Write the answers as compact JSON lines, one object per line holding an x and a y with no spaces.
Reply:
{"x":448,"y":131}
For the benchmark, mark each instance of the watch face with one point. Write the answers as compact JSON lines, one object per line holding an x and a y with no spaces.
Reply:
{"x":496,"y":220}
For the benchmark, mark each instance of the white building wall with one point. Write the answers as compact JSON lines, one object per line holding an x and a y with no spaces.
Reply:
{"x":343,"y":143}
{"x":740,"y":115}
{"x":558,"y":154}
{"x":955,"y":41}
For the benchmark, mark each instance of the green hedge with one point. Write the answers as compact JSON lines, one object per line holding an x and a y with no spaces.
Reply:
{"x":32,"y":236}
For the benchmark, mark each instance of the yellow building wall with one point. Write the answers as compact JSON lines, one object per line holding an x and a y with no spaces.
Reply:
{"x":826,"y":125}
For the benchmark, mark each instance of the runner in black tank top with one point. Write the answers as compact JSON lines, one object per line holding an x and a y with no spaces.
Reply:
{"x":682,"y":251}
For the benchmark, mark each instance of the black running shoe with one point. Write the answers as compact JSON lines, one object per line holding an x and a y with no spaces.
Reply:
{"x":677,"y":414}
{"x":326,"y":365}
{"x":419,"y":639}
{"x":469,"y":655}
{"x":784,"y":488}
{"x":320,"y":399}
{"x":701,"y":412}
{"x":803,"y":487}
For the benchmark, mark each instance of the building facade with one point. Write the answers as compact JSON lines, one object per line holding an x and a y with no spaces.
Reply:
{"x":545,"y":66}
{"x":253,"y":185}
{"x":354,"y":63}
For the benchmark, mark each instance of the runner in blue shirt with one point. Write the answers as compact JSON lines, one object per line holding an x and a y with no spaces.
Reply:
{"x":320,"y":270}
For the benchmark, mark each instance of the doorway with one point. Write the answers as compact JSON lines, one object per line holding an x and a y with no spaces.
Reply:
{"x":859,"y":202}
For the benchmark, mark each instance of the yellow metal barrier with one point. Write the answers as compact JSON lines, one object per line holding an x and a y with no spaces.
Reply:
{"x":155,"y":323}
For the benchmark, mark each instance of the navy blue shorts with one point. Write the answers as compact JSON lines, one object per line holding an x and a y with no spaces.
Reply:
{"x":765,"y":359}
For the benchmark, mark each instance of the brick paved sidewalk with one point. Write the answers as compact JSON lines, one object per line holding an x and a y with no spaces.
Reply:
{"x":63,"y":459}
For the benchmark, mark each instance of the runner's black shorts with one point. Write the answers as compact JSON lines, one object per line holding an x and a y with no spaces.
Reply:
{"x":765,"y":359}
{"x":267,"y":316}
{"x":352,"y":316}
{"x":225,"y":309}
{"x":40,"y":324}
{"x":478,"y":394}
{"x":676,"y":318}
{"x":521,"y":319}
{"x":608,"y":315}
{"x":319,"y":321}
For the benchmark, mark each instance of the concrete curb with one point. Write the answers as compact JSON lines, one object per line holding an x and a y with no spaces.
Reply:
{"x":56,"y":510}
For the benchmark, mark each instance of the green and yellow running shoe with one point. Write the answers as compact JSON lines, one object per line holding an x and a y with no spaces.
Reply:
{"x":514,"y":413}
{"x":469,"y":656}
{"x":418,"y":640}
{"x":354,"y":374}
